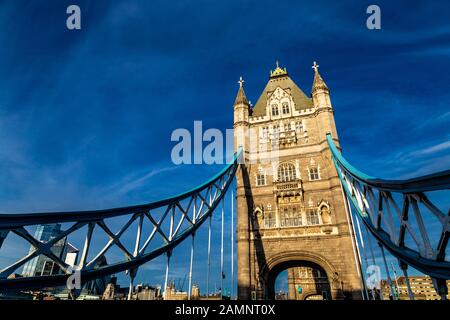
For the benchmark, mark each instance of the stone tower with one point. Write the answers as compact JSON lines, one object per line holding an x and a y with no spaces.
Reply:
{"x":291,"y":212}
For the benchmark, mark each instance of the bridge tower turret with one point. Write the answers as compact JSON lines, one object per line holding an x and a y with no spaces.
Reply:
{"x":320,"y":95}
{"x":243,"y":198}
{"x":241,"y":116}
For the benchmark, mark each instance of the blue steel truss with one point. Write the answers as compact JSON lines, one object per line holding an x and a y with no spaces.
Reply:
{"x":375,"y":201}
{"x":186,"y":212}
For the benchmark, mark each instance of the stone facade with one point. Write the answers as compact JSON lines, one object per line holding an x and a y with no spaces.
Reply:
{"x":290,"y":206}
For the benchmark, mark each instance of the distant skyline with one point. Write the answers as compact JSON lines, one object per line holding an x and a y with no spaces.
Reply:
{"x":86,"y":116}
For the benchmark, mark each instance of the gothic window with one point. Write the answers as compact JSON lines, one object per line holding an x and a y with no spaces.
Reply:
{"x":284,"y":217}
{"x":289,"y":217}
{"x":285,"y":107}
{"x":275,"y":110}
{"x":312,"y":217}
{"x":276,"y":132}
{"x":287,"y":127}
{"x":260,"y":179}
{"x":264,"y":132}
{"x":314,"y":174}
{"x":286,"y":172}
{"x":299,"y":126}
{"x":269,"y":221}
{"x":297,"y":218}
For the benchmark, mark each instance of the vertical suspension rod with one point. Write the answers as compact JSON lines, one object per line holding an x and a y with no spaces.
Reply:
{"x":232,"y":246}
{"x":387,"y":272}
{"x":221,"y":251}
{"x":169,"y":253}
{"x":209,"y":252}
{"x":364,"y":255}
{"x":192,"y":249}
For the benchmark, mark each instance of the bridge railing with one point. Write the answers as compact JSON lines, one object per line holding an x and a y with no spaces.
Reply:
{"x":170,"y":221}
{"x":398,"y":214}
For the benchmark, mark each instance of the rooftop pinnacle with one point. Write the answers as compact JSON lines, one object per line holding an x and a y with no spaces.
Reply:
{"x":240,"y":97}
{"x":318,"y":82}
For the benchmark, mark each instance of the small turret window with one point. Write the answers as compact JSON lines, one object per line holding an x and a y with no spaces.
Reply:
{"x":275,"y":110}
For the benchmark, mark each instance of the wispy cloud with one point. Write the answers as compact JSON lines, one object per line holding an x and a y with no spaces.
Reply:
{"x":431,"y":150}
{"x":130,"y":183}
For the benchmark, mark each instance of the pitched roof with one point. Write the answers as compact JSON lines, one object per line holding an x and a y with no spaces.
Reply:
{"x":240,"y":97}
{"x":318,"y":82}
{"x":281,"y":79}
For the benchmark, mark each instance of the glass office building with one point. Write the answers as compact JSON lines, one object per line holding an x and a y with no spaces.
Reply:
{"x":41,"y":265}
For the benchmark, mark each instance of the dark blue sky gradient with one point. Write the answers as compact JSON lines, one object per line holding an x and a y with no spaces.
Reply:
{"x":86,"y":116}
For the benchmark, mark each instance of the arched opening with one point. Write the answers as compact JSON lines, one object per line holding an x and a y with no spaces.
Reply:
{"x":298,"y":280}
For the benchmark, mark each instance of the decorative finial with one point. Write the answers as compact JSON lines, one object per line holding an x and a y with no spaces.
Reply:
{"x":278,"y":71}
{"x":315,"y":66}
{"x":241,"y":82}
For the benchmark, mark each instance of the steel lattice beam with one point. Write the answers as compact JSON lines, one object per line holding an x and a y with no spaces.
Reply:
{"x":214,"y":189}
{"x":374,"y":203}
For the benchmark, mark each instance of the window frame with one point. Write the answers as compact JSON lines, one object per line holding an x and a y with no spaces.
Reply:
{"x":314,"y":173}
{"x":286,"y":172}
{"x":275,"y":110}
{"x":312,"y":214}
{"x":261,"y":176}
{"x":285,"y":108}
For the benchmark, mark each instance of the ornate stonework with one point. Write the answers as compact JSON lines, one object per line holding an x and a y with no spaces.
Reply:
{"x":289,"y":198}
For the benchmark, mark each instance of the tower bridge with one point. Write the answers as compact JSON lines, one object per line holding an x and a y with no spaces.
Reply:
{"x":300,"y":207}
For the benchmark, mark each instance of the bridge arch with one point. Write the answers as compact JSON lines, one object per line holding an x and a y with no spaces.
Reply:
{"x":299,"y":258}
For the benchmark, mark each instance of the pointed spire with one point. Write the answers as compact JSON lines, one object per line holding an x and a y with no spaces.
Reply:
{"x":318,"y":82}
{"x":240,"y":97}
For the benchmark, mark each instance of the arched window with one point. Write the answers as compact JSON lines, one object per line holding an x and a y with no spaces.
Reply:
{"x":275,"y":110}
{"x":290,"y":217}
{"x":287,"y":126}
{"x":269,"y":220}
{"x":286,"y":172}
{"x":285,"y":107}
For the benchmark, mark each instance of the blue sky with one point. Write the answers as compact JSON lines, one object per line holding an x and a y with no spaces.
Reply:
{"x":86,"y":116}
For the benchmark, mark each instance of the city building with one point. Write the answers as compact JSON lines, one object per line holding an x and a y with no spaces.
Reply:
{"x":302,"y":281}
{"x":146,"y":292}
{"x":42,"y":265}
{"x":113,"y":291}
{"x":421,"y":286}
{"x":171,"y":293}
{"x":291,"y":211}
{"x":71,"y":255}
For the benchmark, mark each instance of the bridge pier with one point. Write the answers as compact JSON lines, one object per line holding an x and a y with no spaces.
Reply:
{"x":242,"y":234}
